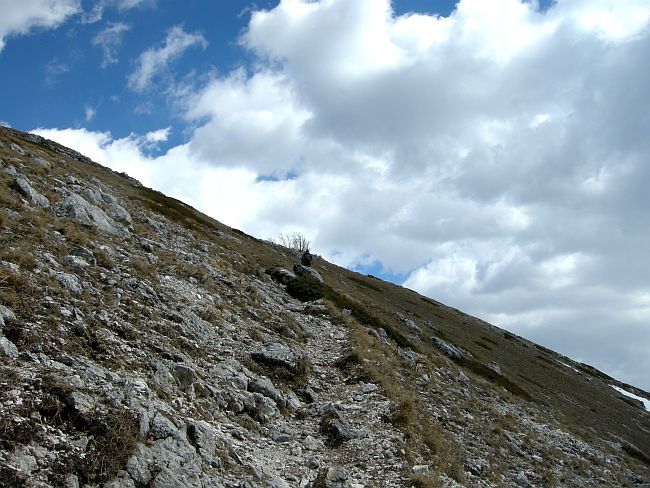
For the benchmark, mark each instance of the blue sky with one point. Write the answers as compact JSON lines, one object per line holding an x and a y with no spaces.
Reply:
{"x":62,"y":68}
{"x":491,"y":155}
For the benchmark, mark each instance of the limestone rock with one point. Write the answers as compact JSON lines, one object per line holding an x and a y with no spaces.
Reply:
{"x":333,"y":477}
{"x":449,"y":350}
{"x":7,"y":314}
{"x":8,"y":348}
{"x":408,"y":322}
{"x":276,"y":354}
{"x":281,"y":275}
{"x":69,"y":282}
{"x":85,"y":254}
{"x":82,"y":212}
{"x":23,"y":186}
{"x":184,"y":375}
{"x":266,"y":388}
{"x":307,"y":272}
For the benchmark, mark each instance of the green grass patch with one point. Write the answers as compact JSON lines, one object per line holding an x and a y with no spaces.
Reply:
{"x":176,"y":211}
{"x":636,"y":453}
{"x":364,"y":283}
{"x":494,"y":377}
{"x":307,"y":289}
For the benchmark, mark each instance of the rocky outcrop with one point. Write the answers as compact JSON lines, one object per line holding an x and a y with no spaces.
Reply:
{"x":307,"y":272}
{"x":23,"y":186}
{"x":80,"y":211}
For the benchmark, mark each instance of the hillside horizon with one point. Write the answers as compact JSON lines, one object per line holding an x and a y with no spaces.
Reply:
{"x":147,"y":344}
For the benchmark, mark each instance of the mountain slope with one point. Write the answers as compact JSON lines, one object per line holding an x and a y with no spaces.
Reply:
{"x":146,"y":344}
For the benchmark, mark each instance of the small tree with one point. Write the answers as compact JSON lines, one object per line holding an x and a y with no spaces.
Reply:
{"x":294,"y":241}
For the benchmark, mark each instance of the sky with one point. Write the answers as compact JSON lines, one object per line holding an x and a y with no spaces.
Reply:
{"x":491,"y":155}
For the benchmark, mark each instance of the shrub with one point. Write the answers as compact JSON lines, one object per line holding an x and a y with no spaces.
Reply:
{"x":306,"y":289}
{"x":294,"y":241}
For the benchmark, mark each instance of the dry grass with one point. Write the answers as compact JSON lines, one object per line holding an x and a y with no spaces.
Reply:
{"x":104,"y":259}
{"x":12,"y":478}
{"x":377,"y":362}
{"x":115,"y":435}
{"x":144,"y":269}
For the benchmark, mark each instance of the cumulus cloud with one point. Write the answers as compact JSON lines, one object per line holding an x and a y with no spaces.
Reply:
{"x":497,"y":157}
{"x":109,"y":40}
{"x":19,"y":18}
{"x":152,"y":61}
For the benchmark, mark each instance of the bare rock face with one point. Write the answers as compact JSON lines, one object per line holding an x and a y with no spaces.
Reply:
{"x":8,"y":348}
{"x":23,"y":186}
{"x":80,"y":211}
{"x":281,"y":275}
{"x":276,"y":354}
{"x":307,"y":272}
{"x":448,"y":349}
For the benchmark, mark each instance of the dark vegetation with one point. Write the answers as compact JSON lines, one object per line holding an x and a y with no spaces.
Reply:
{"x":308,"y":289}
{"x":114,"y":434}
{"x":362,"y":282}
{"x":496,"y":378}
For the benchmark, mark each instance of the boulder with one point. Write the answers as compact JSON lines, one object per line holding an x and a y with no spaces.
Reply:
{"x":307,"y":272}
{"x":7,"y":314}
{"x":276,"y":354}
{"x":447,"y":349}
{"x":23,"y":186}
{"x":333,"y":477}
{"x":42,"y":163}
{"x":268,"y":389}
{"x":408,"y":322}
{"x":69,"y":282}
{"x":86,"y":254}
{"x":79,"y":210}
{"x":8,"y":348}
{"x":337,"y":429}
{"x":281,"y":275}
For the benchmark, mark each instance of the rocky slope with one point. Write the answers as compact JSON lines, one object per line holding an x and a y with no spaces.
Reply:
{"x":144,"y":344}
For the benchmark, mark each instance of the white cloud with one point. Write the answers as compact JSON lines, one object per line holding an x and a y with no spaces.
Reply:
{"x":19,"y":18}
{"x":159,"y":135}
{"x":97,"y":12}
{"x":54,"y":70}
{"x":497,"y":157}
{"x":109,"y":40}
{"x":89,"y":112}
{"x":152,"y":61}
